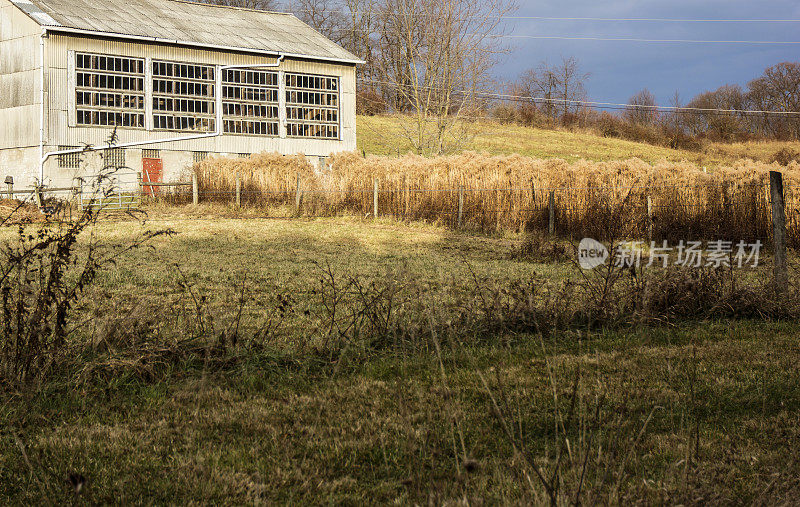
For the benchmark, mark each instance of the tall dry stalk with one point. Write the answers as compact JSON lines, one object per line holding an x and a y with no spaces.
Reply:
{"x":511,"y":192}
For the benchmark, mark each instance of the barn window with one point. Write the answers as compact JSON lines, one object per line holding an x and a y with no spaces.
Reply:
{"x":183,"y":96}
{"x":69,"y":160}
{"x":151,"y":153}
{"x":109,"y":91}
{"x":199,"y":156}
{"x":312,"y":106}
{"x":250,"y":102}
{"x":114,"y":158}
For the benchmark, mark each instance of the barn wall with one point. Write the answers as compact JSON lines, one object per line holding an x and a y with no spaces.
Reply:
{"x":20,"y":94}
{"x":177,"y":155}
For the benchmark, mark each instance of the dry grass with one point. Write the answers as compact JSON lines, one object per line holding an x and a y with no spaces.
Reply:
{"x":281,"y":423}
{"x":15,"y":212}
{"x":511,"y":192}
{"x":382,"y":135}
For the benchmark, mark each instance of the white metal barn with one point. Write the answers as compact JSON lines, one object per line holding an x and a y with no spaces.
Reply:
{"x":179,"y":80}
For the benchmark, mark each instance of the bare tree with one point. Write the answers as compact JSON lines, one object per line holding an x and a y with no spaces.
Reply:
{"x":323,"y":16}
{"x":777,"y":90}
{"x":540,"y":85}
{"x":434,"y":58}
{"x":559,"y":88}
{"x":571,"y":83}
{"x":641,"y":108}
{"x":717,"y":113}
{"x":262,"y":5}
{"x":675,"y":120}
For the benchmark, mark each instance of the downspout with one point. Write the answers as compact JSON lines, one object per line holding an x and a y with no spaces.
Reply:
{"x":41,"y":108}
{"x":217,"y":132}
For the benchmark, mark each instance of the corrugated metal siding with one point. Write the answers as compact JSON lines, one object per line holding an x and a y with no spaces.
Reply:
{"x":19,"y":78}
{"x":60,"y":133}
{"x":191,"y":23}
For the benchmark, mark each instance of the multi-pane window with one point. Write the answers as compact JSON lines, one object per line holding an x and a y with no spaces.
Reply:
{"x":250,"y":102}
{"x":109,"y":91}
{"x":183,"y":96}
{"x":312,"y":106}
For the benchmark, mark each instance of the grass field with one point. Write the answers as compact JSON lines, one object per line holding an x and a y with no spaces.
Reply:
{"x":383,"y":135}
{"x":696,"y":412}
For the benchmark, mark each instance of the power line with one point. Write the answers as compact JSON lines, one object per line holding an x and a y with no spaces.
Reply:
{"x":579,"y":18}
{"x":653,"y":20}
{"x":599,"y":105}
{"x":634,"y":39}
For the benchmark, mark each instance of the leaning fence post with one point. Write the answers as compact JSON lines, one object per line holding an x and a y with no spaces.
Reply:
{"x":460,"y":205}
{"x":238,"y":190}
{"x":375,"y":197}
{"x":649,"y":218}
{"x":10,"y":186}
{"x":195,"y":190}
{"x":781,"y":272}
{"x":298,"y":196}
{"x":552,"y":207}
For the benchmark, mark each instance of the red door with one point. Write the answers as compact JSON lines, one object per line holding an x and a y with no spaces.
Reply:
{"x":152,"y":170}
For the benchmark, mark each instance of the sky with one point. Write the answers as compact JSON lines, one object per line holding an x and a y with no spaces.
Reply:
{"x":618,"y":69}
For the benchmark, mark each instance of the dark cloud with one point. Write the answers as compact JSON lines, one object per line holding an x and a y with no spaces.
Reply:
{"x":619,"y":69}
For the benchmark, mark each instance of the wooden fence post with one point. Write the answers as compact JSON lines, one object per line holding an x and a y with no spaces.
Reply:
{"x":406,"y":197}
{"x":375,"y":198}
{"x":238,"y":191}
{"x":781,"y":272}
{"x":298,"y":196}
{"x":649,"y":218}
{"x":195,"y":190}
{"x":460,"y":205}
{"x":552,"y":208}
{"x":37,"y":195}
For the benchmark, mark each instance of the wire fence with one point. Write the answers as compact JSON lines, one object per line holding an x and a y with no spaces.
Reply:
{"x":657,"y":212}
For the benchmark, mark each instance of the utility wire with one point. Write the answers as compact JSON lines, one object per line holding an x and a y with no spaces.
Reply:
{"x":634,"y":39}
{"x":601,"y":105}
{"x":574,"y":18}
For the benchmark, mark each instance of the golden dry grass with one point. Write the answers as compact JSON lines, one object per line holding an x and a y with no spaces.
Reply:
{"x":512,"y":191}
{"x":383,"y":135}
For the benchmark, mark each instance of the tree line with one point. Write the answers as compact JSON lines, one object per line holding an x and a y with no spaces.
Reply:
{"x":432,"y":60}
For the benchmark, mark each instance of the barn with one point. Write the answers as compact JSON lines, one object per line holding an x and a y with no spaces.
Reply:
{"x":177,"y":80}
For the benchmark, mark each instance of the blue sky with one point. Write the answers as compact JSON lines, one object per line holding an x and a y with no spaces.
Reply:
{"x":620,"y":69}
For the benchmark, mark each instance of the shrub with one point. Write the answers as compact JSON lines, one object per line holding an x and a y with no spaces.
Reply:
{"x":369,"y":103}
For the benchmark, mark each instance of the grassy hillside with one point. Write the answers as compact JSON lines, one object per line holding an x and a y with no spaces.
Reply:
{"x":383,"y":135}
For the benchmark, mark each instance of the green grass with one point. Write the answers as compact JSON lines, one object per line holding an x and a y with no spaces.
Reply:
{"x":383,"y":135}
{"x":290,"y":424}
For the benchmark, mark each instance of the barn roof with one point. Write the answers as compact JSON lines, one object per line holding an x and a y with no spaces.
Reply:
{"x":187,"y":23}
